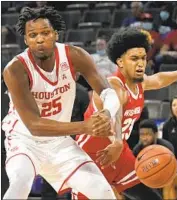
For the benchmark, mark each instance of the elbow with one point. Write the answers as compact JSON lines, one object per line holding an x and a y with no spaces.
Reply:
{"x":34,"y":127}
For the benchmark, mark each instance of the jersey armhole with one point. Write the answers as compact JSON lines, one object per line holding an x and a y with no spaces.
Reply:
{"x":22,"y":60}
{"x":70,"y":62}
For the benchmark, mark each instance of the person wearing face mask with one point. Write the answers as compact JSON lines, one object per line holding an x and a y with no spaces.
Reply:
{"x":104,"y":65}
{"x":168,"y":51}
{"x":147,"y":24}
{"x":136,"y":11}
{"x":163,"y":22}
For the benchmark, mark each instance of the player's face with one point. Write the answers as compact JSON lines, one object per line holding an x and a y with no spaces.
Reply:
{"x":40,"y":37}
{"x":174,"y":107}
{"x":147,"y":137}
{"x":133,"y":63}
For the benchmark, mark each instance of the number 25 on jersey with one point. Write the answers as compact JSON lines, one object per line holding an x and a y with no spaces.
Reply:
{"x":51,"y":108}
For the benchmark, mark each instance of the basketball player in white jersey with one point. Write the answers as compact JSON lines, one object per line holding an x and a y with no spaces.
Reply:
{"x":41,"y":87}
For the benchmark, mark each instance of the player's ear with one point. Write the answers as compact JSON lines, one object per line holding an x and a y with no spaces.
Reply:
{"x":56,"y":36}
{"x":119,"y":62}
{"x":25,"y":41}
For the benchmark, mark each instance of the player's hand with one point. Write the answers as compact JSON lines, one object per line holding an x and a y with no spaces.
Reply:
{"x":110,"y":154}
{"x":99,"y":124}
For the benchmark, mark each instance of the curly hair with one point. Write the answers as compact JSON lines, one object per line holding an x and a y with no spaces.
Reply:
{"x":45,"y":12}
{"x":126,"y":39}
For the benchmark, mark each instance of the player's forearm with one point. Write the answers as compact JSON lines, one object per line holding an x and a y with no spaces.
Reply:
{"x":107,"y":94}
{"x":110,"y":101}
{"x":48,"y":128}
{"x":117,"y":128}
{"x":166,"y":78}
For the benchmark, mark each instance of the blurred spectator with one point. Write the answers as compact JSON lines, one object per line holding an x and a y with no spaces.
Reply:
{"x":170,"y":126}
{"x":163,"y":22}
{"x":104,"y":65}
{"x":168,"y":50}
{"x":148,"y":133}
{"x":134,"y":137}
{"x":170,"y":46}
{"x":153,"y":52}
{"x":147,"y":24}
{"x":137,"y":10}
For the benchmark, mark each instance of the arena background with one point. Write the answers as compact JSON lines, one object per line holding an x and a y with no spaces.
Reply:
{"x":85,"y":21}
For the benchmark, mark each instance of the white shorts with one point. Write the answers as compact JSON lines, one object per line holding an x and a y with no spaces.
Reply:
{"x":56,"y":160}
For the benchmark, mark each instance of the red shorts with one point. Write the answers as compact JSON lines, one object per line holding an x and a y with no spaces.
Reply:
{"x":124,"y":176}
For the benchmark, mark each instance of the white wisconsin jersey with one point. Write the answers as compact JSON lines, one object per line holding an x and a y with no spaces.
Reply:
{"x":54,"y":91}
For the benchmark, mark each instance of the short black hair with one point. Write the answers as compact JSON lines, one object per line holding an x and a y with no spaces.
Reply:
{"x":45,"y":12}
{"x":126,"y":39}
{"x":103,"y":37}
{"x":148,"y":123}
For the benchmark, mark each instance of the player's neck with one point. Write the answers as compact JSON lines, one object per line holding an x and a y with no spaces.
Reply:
{"x":132,"y":86}
{"x":47,"y":65}
{"x":130,"y":83}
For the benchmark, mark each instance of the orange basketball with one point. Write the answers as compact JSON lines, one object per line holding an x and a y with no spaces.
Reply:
{"x":156,"y":166}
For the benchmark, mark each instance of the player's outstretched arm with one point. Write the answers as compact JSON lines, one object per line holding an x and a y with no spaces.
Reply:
{"x":17,"y":82}
{"x":159,"y":80}
{"x":84,"y":64}
{"x":112,"y":152}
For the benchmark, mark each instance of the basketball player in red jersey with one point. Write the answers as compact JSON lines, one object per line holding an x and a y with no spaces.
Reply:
{"x":128,"y":49}
{"x":41,"y":86}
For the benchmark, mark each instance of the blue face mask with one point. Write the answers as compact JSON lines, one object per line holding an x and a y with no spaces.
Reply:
{"x":101,"y":52}
{"x":164,"y":29}
{"x":164,"y":15}
{"x":147,"y":26}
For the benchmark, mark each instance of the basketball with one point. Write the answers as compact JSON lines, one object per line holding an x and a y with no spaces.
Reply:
{"x":156,"y":166}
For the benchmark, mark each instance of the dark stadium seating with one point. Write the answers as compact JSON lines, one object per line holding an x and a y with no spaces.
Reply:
{"x":154,"y":107}
{"x":162,"y":94}
{"x":102,"y":16}
{"x":168,"y":67}
{"x":80,"y":6}
{"x":84,"y":35}
{"x":165,"y":110}
{"x":94,"y":25}
{"x":118,"y":16}
{"x":107,"y":5}
{"x":8,"y":51}
{"x":71,"y":18}
{"x":10,"y":18}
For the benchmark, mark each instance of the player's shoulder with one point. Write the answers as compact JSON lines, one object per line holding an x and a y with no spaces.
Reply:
{"x":13,"y":67}
{"x":118,"y":86}
{"x":116,"y":82}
